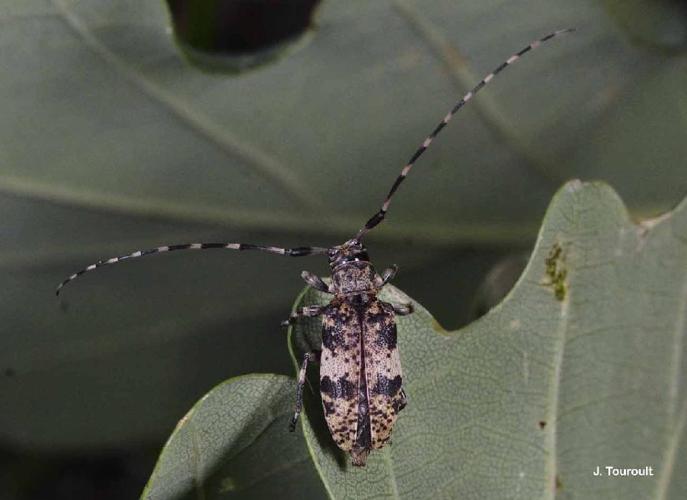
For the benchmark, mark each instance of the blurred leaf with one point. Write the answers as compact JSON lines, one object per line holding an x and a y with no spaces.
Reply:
{"x":234,"y":444}
{"x":527,"y":401}
{"x":263,"y":163}
{"x":109,"y":142}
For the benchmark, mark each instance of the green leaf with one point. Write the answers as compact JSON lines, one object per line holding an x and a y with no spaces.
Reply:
{"x":110,"y":142}
{"x":582,"y":365}
{"x":234,"y":444}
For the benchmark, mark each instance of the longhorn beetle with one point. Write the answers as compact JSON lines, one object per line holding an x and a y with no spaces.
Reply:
{"x":360,"y":368}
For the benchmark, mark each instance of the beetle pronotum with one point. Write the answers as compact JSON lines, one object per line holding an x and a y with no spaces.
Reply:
{"x":360,"y":368}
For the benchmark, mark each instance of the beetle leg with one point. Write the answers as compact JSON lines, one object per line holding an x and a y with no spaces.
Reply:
{"x":307,"y":311}
{"x":403,"y":402}
{"x":309,"y":356}
{"x":403,"y":309}
{"x":387,"y":275}
{"x":315,"y":282}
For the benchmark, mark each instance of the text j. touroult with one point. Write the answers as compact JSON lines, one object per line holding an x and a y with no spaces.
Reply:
{"x":612,"y":471}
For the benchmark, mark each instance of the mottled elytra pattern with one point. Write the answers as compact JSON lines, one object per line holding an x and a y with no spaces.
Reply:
{"x":360,"y":369}
{"x":360,"y":373}
{"x":341,"y":370}
{"x":383,"y":369}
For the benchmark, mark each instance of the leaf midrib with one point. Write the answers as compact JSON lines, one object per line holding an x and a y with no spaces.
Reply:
{"x":677,"y":421}
{"x":554,"y":397}
{"x":436,"y":235}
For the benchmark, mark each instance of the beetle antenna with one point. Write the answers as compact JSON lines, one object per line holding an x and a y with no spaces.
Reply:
{"x":379,"y":216}
{"x":287,"y":252}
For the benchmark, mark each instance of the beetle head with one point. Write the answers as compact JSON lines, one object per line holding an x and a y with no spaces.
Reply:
{"x":350,"y":251}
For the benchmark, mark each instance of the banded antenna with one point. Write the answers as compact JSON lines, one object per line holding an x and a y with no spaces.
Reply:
{"x":379,"y":216}
{"x":287,"y":252}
